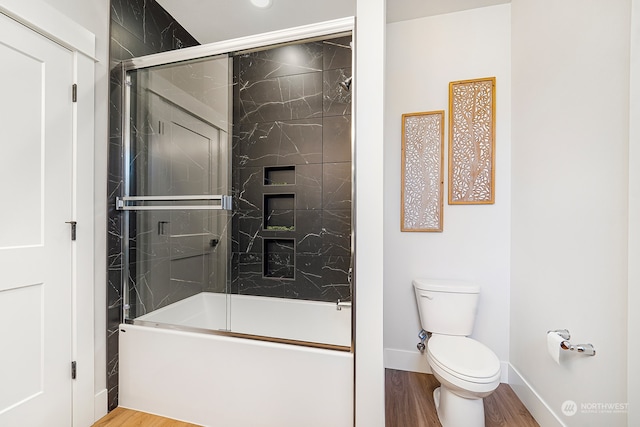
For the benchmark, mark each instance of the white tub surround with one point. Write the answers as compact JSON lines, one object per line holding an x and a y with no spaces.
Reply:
{"x":214,"y":380}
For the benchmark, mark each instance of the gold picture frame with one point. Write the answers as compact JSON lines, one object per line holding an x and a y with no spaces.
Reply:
{"x":422,"y":171}
{"x":472,"y":122}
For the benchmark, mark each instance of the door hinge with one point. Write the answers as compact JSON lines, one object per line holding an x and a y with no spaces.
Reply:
{"x":74,"y":93}
{"x":74,"y":370}
{"x":73,"y":229}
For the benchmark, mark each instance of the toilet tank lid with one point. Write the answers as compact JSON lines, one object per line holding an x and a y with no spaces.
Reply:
{"x":441,"y":285}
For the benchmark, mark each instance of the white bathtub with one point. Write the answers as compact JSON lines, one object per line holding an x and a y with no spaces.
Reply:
{"x":216,"y":380}
{"x":287,"y":319}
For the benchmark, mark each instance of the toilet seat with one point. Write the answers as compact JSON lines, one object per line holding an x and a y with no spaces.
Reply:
{"x":463,"y":358}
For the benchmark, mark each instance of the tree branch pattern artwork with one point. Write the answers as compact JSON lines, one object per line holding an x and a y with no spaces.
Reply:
{"x":422,"y":171}
{"x":472,"y":141}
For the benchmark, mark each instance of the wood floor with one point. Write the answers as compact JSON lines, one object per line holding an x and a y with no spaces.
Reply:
{"x":121,"y":417}
{"x":409,"y":403}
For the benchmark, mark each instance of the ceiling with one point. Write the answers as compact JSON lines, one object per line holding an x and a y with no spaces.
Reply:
{"x":215,"y":20}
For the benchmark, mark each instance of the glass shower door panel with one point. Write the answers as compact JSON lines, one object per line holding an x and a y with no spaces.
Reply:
{"x":178,"y":257}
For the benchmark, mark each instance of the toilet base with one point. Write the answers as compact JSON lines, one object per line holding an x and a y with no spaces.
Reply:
{"x":456,"y":411}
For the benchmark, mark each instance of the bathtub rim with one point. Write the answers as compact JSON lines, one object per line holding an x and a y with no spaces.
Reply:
{"x":231,"y":334}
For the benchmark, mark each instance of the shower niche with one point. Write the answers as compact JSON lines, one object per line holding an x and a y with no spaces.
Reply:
{"x":279,"y":212}
{"x":280,"y":175}
{"x":279,"y":256}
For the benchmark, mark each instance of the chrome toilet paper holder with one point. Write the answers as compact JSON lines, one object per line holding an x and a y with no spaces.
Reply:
{"x":586,"y":349}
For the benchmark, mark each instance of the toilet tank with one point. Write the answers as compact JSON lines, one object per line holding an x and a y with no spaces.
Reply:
{"x":447,"y":307}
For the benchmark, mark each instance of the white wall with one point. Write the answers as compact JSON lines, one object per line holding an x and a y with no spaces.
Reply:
{"x":423,"y":56}
{"x":634,"y":223}
{"x":570,"y":183}
{"x":94,"y":16}
{"x":369,"y":95}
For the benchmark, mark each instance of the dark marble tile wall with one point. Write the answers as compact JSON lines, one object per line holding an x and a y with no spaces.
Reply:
{"x":138,"y":27}
{"x":292,"y":171}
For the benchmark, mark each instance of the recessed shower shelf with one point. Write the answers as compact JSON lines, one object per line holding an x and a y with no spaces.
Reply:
{"x":278,"y":259}
{"x":280,"y":175}
{"x":279,"y":212}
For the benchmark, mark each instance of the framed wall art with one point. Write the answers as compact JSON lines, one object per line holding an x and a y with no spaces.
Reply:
{"x":472,"y":120}
{"x":422,"y":171}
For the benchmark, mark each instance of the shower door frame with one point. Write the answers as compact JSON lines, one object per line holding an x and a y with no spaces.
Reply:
{"x":248,"y":43}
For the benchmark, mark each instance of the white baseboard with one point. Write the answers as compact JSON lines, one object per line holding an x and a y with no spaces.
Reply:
{"x":543,"y":414}
{"x":100,"y":408}
{"x":414,"y":361}
{"x":402,"y":360}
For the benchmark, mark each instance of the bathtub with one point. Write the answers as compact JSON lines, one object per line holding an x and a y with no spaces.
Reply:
{"x":285,"y":319}
{"x":219,"y":380}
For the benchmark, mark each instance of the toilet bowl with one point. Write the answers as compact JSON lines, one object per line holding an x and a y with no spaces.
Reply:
{"x":467,"y":370}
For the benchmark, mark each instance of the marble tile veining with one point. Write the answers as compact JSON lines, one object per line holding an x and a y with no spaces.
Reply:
{"x":336,"y":186}
{"x":281,"y":61}
{"x":337,"y":53}
{"x":289,"y":142}
{"x":336,"y":139}
{"x":292,"y":97}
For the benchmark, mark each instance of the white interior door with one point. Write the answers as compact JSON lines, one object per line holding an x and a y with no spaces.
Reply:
{"x":35,"y":246}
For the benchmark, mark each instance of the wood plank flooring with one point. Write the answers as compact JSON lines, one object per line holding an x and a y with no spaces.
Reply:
{"x":122,"y":417}
{"x":409,"y":403}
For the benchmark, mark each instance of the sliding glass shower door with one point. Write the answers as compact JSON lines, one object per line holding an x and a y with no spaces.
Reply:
{"x":251,"y":237}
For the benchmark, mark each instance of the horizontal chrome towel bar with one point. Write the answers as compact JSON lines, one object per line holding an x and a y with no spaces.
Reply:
{"x":126,"y":203}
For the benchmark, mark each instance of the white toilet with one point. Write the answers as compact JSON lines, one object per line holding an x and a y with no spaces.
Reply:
{"x":467,"y":369}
